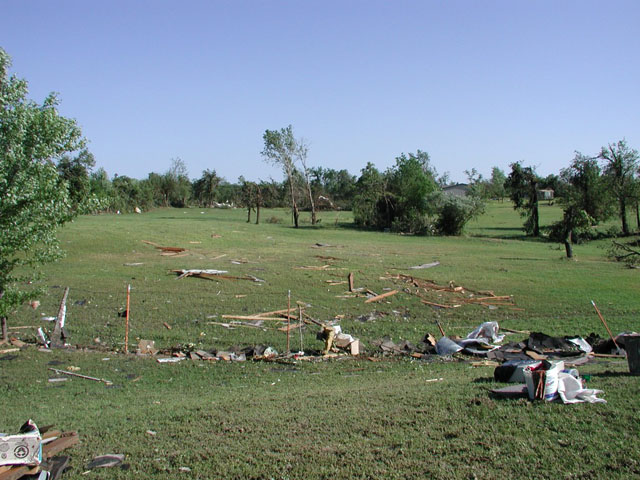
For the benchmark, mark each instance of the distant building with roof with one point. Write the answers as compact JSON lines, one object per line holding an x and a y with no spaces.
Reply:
{"x":459,"y":189}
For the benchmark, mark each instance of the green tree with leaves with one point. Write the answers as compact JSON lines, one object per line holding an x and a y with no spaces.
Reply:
{"x":522,"y":185}
{"x":205,"y":188}
{"x":496,"y":184}
{"x":75,"y":171}
{"x":369,"y":192}
{"x":411,"y":181}
{"x":34,"y":199}
{"x":586,"y":188}
{"x":620,"y":170}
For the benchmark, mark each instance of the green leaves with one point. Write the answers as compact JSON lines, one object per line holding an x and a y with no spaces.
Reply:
{"x":34,"y":199}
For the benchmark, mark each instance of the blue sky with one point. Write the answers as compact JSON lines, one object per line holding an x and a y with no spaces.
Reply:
{"x":475,"y":84}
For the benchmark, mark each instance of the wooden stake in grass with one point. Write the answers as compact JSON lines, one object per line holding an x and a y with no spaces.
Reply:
{"x":300,"y":323}
{"x":605,"y":325}
{"x":288,"y":319}
{"x":126,"y":325}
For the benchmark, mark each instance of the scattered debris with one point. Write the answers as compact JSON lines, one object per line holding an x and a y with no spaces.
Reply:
{"x":166,"y":250}
{"x":451,"y":295}
{"x":321,"y":245}
{"x":425,"y":265}
{"x":106,"y":461}
{"x":166,"y":325}
{"x":170,"y":359}
{"x":211,"y":274}
{"x":147,"y":347}
{"x":72,"y":374}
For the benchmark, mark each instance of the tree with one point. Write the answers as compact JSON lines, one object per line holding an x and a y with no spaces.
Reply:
{"x":522,"y":185}
{"x":477,"y":185}
{"x":100,"y":187}
{"x":369,"y":192}
{"x":282,"y":149}
{"x":301,"y":154}
{"x":496,"y":184}
{"x":399,"y":198}
{"x":333,"y":188}
{"x":75,"y":171}
{"x":34,"y":199}
{"x":177,"y":183}
{"x":205,"y":188}
{"x":620,"y":168}
{"x":586,"y":189}
{"x":454,"y":212}
{"x":411,"y":181}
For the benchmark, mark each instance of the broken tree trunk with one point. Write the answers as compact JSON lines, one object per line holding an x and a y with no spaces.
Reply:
{"x":58,"y":336}
{"x":351,"y":281}
{"x":3,"y":326}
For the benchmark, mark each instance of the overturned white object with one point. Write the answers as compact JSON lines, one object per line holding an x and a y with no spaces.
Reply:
{"x":22,"y":449}
{"x":570,"y":390}
{"x":446,"y":346}
{"x":488,"y":331}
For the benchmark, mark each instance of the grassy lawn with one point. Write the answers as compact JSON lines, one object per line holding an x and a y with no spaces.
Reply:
{"x":340,"y":419}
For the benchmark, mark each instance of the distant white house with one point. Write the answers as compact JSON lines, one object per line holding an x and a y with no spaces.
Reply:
{"x":459,"y":189}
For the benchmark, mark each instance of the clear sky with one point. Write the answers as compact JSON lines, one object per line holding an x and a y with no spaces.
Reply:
{"x":476,"y":84}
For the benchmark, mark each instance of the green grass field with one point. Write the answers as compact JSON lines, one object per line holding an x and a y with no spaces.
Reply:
{"x":335,"y":419}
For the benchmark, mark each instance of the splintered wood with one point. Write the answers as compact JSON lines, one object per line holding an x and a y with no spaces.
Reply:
{"x":167,"y":251}
{"x":283,"y":315}
{"x":210,"y":274}
{"x":451,"y":295}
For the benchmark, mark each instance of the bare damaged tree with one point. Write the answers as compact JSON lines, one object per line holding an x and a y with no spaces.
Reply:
{"x":301,"y":154}
{"x":620,"y":167}
{"x":281,"y":148}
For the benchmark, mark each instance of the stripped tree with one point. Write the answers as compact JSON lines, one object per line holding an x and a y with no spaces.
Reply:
{"x":282,"y":149}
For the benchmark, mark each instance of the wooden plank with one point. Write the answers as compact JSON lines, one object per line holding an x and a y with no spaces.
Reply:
{"x":270,"y":314}
{"x":66,"y":440}
{"x":252,"y":317}
{"x":51,"y":434}
{"x":288,"y":328}
{"x":523,"y":332}
{"x":436,"y":304}
{"x":380,"y":297}
{"x":15,"y":472}
{"x":534,"y":355}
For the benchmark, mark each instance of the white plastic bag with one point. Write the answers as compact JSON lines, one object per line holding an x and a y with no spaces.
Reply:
{"x":570,"y":390}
